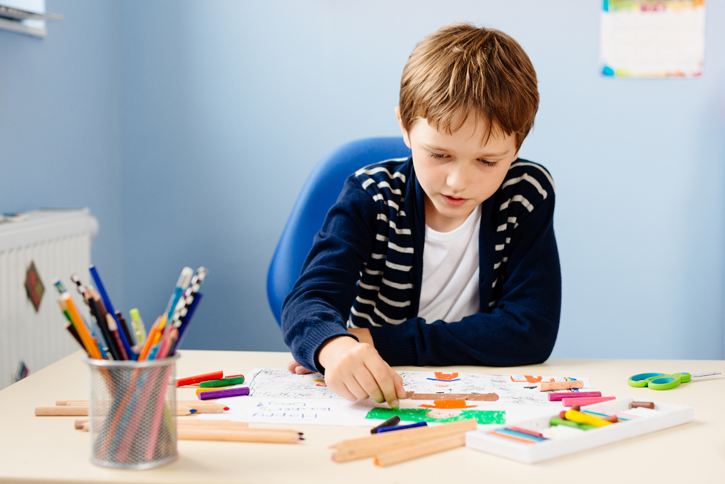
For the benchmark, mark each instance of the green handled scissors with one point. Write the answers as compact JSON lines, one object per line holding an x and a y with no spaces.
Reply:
{"x":663,"y":381}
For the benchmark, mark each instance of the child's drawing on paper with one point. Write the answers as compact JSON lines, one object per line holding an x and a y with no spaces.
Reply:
{"x":502,"y":389}
{"x":483,"y":417}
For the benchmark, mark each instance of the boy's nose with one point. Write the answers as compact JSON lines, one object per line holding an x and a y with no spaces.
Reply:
{"x":457,"y":178}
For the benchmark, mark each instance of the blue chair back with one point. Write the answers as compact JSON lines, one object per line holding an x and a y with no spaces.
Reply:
{"x":319,"y":193}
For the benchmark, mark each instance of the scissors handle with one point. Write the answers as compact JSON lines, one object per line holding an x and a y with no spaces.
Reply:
{"x":668,"y":382}
{"x":642,"y":379}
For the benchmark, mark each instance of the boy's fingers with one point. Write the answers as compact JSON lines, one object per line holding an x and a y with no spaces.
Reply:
{"x":292,"y":366}
{"x":399,"y":390}
{"x":301,"y":370}
{"x":340,"y":388}
{"x":383,"y":380}
{"x":356,"y":388}
{"x":369,"y":384}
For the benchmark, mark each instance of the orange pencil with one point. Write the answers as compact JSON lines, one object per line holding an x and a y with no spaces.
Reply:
{"x":150,"y":339}
{"x":88,"y":341}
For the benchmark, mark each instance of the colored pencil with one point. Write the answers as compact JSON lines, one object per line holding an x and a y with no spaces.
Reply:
{"x":81,"y":328}
{"x":150,"y":339}
{"x":82,"y":411}
{"x":419,"y":450}
{"x":199,"y":406}
{"x":109,"y":309}
{"x":99,"y":313}
{"x":124,"y":326}
{"x":239,"y":435}
{"x":116,"y":335}
{"x":187,"y":319}
{"x":96,"y":332}
{"x":379,"y":443}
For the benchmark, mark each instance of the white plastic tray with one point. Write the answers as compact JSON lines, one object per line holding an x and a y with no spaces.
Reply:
{"x":668,"y":416}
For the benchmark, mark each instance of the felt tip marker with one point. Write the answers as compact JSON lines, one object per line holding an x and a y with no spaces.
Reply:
{"x":394,"y":420}
{"x":402,"y":427}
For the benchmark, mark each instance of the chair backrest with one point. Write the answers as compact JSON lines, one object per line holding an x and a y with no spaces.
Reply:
{"x":319,"y":193}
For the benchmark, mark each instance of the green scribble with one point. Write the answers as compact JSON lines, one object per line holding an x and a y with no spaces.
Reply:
{"x":483,"y":417}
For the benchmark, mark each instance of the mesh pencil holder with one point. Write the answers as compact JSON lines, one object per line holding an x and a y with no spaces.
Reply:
{"x":132,"y":410}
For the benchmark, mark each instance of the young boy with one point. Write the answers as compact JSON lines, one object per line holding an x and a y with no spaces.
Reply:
{"x":447,"y":257}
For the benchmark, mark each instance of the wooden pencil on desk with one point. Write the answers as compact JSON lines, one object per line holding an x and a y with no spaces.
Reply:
{"x":82,"y":424}
{"x":391,"y":441}
{"x":237,"y":432}
{"x":419,"y":450}
{"x":82,"y":411}
{"x":240,"y":435}
{"x":198,"y":405}
{"x":187,"y":432}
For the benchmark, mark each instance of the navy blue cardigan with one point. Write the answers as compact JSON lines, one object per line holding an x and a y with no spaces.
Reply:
{"x":366,"y":265}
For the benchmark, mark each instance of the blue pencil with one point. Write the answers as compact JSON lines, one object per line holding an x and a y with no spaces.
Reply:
{"x":109,"y":308}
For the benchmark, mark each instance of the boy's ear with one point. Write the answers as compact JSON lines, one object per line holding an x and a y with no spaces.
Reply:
{"x":406,"y":138}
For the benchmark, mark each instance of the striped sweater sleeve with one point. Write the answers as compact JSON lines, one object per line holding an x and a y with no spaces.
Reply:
{"x":318,"y":307}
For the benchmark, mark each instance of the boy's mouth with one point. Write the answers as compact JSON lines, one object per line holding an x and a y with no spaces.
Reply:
{"x":453,"y":201}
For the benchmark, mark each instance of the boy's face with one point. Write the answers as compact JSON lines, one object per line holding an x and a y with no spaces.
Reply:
{"x":457,"y":171}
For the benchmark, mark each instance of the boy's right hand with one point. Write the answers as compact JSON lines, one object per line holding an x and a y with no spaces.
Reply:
{"x":355,"y":371}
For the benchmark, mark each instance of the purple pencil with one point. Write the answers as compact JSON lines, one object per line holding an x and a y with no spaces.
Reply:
{"x":232,"y":392}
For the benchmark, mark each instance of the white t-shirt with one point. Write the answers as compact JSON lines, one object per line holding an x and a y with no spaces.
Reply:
{"x":450,"y":272}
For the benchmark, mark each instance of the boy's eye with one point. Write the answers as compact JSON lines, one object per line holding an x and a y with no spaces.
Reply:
{"x":437,"y":156}
{"x":488,"y":163}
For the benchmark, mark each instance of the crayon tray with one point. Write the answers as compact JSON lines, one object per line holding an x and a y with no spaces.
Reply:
{"x":668,"y":416}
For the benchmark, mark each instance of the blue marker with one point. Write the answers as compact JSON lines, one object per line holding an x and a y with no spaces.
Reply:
{"x":402,"y":427}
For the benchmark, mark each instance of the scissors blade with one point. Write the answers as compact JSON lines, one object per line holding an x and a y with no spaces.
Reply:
{"x":710,"y":373}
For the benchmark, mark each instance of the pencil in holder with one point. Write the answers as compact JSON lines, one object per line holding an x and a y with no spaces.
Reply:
{"x":132,"y":410}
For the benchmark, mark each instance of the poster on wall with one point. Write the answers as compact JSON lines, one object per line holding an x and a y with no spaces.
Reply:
{"x":652,"y":38}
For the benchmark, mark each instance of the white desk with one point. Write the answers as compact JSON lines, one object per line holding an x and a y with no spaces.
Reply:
{"x":48,"y":449}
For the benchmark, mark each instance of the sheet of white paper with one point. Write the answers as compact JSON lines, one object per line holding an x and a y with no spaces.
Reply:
{"x":278,"y":396}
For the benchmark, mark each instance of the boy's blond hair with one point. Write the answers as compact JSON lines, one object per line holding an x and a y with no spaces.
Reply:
{"x":461,"y":71}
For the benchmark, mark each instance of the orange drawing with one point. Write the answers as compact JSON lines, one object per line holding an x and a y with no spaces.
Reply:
{"x":527,"y":379}
{"x":445,"y":376}
{"x":448,"y":404}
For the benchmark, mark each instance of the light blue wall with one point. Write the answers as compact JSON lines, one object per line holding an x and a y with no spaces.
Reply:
{"x":60,"y":124}
{"x":223,"y":108}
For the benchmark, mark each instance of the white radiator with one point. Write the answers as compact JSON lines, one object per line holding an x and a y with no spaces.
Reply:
{"x":58,"y":242}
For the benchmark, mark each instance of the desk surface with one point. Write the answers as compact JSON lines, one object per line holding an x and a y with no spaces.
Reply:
{"x":48,"y":449}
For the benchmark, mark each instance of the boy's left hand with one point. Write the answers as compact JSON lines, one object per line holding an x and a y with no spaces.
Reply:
{"x":295,"y":367}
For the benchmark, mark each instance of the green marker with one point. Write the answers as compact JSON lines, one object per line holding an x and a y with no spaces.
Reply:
{"x":222,"y":383}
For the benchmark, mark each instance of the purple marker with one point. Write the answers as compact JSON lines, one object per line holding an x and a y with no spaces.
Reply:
{"x":399,"y":427}
{"x":555,"y":397}
{"x":232,"y":392}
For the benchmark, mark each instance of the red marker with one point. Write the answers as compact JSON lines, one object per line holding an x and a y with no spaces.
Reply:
{"x":190,"y":380}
